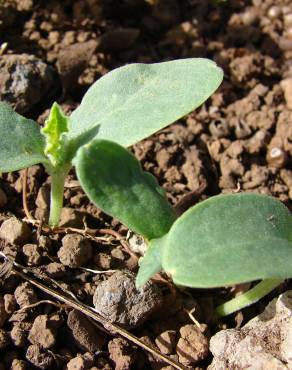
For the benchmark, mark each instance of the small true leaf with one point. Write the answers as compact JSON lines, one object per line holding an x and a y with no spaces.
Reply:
{"x":134,"y":101}
{"x":115,"y":182}
{"x":21,"y":144}
{"x":228,"y":239}
{"x":55,"y":127}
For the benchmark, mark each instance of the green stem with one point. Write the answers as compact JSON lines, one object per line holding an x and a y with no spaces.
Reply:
{"x":246,"y":299}
{"x":57,"y":191}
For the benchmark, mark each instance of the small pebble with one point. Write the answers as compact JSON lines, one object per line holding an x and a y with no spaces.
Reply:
{"x":9,"y":303}
{"x":32,"y":254}
{"x":274,"y":12}
{"x":276,"y":157}
{"x":19,"y":365}
{"x":249,"y":17}
{"x":81,"y":362}
{"x":25,"y":295}
{"x":40,"y":357}
{"x":122,"y":353}
{"x":18,"y":335}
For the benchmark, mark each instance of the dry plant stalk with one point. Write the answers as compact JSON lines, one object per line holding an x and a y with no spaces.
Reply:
{"x":22,"y":271}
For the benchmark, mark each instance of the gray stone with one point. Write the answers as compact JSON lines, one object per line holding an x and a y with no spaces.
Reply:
{"x":118,"y":300}
{"x":24,"y":80}
{"x":263,"y":343}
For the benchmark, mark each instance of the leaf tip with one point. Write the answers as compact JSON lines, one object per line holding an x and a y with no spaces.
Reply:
{"x":141,"y":279}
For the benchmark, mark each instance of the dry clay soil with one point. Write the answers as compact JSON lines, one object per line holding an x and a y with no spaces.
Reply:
{"x":239,"y":140}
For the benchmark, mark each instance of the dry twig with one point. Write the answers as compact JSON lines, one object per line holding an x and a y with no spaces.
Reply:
{"x":22,"y":271}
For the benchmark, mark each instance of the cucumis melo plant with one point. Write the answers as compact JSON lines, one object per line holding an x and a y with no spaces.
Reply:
{"x":124,"y":106}
{"x":225,"y":240}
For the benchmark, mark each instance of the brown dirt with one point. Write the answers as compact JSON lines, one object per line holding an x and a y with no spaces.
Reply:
{"x":240,"y":139}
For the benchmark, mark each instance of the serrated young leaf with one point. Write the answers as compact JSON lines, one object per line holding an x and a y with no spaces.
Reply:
{"x":230,"y":239}
{"x":55,"y":127}
{"x":22,"y":144}
{"x":115,"y":182}
{"x":134,"y":101}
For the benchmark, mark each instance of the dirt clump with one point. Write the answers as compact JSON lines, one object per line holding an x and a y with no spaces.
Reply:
{"x":40,"y":357}
{"x":85,"y":334}
{"x":25,"y":295}
{"x":9,"y":303}
{"x":122,"y":353}
{"x":71,"y":217}
{"x":166,"y":341}
{"x":55,"y":270}
{"x":44,"y":330}
{"x":15,"y":231}
{"x":192,"y":346}
{"x":76,"y":250}
{"x":72,"y":60}
{"x":19,"y":365}
{"x":19,"y":333}
{"x":32,"y":254}
{"x":118,"y":300}
{"x":81,"y":362}
{"x":25,"y":80}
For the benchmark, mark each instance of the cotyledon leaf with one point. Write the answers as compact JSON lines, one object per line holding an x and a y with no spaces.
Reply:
{"x":134,"y":101}
{"x":21,"y":144}
{"x":115,"y":182}
{"x":228,"y":239}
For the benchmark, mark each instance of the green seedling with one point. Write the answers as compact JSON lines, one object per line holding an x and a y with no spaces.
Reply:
{"x":125,"y":106}
{"x":225,"y":240}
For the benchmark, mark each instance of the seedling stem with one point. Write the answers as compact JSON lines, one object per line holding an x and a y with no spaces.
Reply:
{"x":57,"y":191}
{"x":251,"y":296}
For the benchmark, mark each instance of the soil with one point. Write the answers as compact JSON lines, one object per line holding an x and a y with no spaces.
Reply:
{"x":240,"y":139}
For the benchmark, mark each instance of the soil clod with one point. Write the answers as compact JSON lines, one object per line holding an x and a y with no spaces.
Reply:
{"x":118,"y":300}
